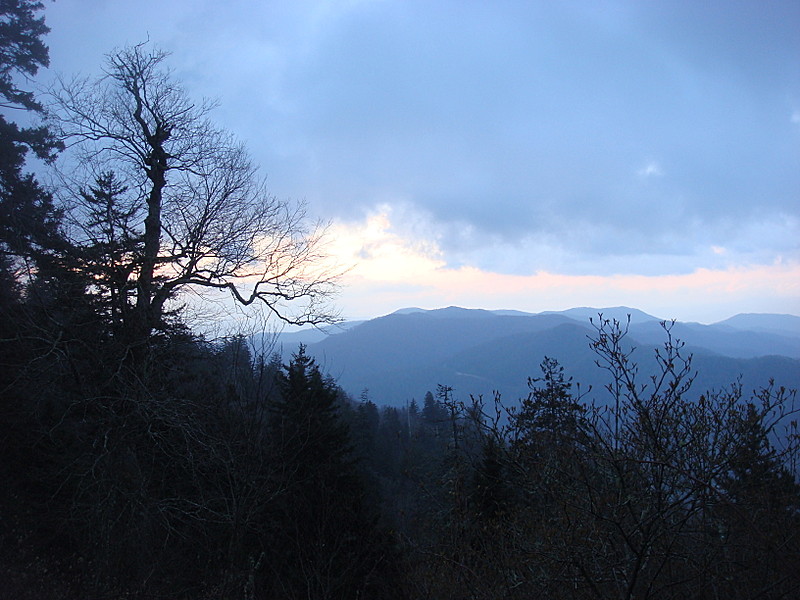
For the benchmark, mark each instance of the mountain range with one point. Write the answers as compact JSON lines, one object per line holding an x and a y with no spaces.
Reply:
{"x":401,"y":356}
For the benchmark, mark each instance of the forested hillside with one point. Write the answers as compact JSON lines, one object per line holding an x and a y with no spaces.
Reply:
{"x":402,"y":355}
{"x":142,"y":460}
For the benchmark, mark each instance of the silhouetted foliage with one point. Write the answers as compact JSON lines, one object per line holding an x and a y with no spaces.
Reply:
{"x":660,"y":494}
{"x":184,"y":208}
{"x":28,"y":220}
{"x":141,"y":460}
{"x":324,"y":542}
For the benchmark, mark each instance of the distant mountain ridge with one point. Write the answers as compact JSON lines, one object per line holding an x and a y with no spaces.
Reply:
{"x":780,"y":324}
{"x":402,"y":355}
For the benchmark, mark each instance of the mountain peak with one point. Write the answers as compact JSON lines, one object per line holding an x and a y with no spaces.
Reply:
{"x":408,"y":311}
{"x":402,"y":355}
{"x":448,"y":312}
{"x":620,"y":313}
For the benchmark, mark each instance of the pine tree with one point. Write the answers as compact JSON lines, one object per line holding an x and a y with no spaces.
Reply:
{"x":550,"y":415}
{"x":491,"y":483}
{"x":311,"y":437}
{"x":760,"y":516}
{"x":27,"y":217}
{"x":110,"y":248}
{"x":325,"y":543}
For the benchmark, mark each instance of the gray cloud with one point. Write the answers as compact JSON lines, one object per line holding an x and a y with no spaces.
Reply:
{"x":508,"y":122}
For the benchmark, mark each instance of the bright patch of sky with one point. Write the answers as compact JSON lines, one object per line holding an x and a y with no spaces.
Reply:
{"x":527,"y":155}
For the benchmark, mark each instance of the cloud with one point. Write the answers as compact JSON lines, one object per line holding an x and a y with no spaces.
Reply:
{"x":391,"y":271}
{"x":378,"y":253}
{"x":487,"y":142}
{"x":395,"y":228}
{"x":495,"y":118}
{"x":704,"y":295}
{"x":651,"y":169}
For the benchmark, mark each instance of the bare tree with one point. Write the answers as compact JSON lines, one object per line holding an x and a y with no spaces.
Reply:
{"x":206,"y":220}
{"x":660,"y":493}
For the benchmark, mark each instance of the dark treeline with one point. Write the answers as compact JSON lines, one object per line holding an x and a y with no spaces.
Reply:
{"x":219,"y":474}
{"x":142,"y":460}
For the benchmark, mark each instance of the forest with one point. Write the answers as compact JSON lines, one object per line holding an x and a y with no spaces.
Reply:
{"x":141,"y":459}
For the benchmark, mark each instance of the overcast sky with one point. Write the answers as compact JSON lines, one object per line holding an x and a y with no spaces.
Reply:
{"x":525,"y":155}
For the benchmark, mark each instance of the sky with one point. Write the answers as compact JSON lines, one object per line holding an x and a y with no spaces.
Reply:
{"x":506,"y":155}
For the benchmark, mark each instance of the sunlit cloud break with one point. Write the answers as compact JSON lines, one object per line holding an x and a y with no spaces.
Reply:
{"x":390,"y":271}
{"x":520,"y":146}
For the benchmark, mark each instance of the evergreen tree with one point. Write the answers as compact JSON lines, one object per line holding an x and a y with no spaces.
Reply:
{"x":760,"y":512}
{"x":324,"y":541}
{"x":365,"y":431}
{"x":550,"y":415}
{"x":546,"y":432}
{"x":109,"y":246}
{"x":27,"y":217}
{"x":413,"y":415}
{"x":306,"y":423}
{"x":491,"y":481}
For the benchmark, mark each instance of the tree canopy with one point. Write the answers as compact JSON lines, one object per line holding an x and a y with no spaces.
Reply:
{"x":196,"y":213}
{"x":142,"y":460}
